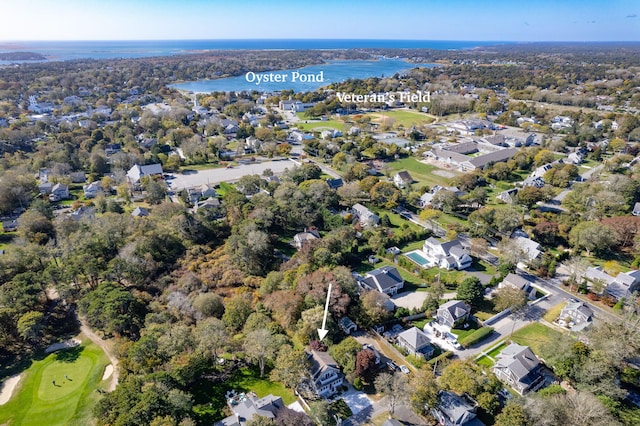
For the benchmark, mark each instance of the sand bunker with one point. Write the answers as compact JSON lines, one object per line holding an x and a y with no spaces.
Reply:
{"x":71,"y":343}
{"x":108,"y":371}
{"x":8,"y":387}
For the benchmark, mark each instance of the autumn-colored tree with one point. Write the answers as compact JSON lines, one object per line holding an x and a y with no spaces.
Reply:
{"x":365,"y":362}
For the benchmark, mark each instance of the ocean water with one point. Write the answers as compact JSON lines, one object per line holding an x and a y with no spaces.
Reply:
{"x":307,"y":79}
{"x":69,"y":50}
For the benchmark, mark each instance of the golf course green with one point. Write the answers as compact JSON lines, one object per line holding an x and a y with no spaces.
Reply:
{"x":59,"y":389}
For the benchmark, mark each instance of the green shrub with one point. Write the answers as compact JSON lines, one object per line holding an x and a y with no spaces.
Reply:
{"x":476,"y":336}
{"x":442,"y":356}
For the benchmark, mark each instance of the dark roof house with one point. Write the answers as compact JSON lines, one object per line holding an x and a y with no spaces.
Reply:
{"x":386,"y":280}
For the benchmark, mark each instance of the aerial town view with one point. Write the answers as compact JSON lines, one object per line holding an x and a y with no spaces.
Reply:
{"x":331,"y":213}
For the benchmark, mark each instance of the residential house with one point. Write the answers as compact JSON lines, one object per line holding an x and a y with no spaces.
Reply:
{"x":137,"y":172}
{"x":326,"y":377}
{"x":45,"y":188}
{"x":365,"y":217}
{"x":386,"y":280}
{"x":520,"y":283}
{"x":209,"y":203}
{"x":59,"y":191}
{"x":140,"y":212}
{"x":347,"y":325}
{"x":294,"y":105}
{"x":575,"y":315}
{"x":447,"y":255}
{"x":92,"y":190}
{"x":518,"y":367}
{"x":10,"y":225}
{"x":309,"y":234}
{"x":427,"y":198}
{"x":335,"y":183}
{"x":454,"y":313}
{"x":83,"y":212}
{"x":622,"y":285}
{"x":455,"y":410}
{"x":575,"y":158}
{"x":530,"y":249}
{"x":246,"y":407}
{"x":78,"y":177}
{"x":112,"y":148}
{"x":415,"y":342}
{"x":402,"y":179}
{"x":509,"y":196}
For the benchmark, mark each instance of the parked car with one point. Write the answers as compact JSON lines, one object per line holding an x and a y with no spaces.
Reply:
{"x":404,"y":369}
{"x":392,"y":365}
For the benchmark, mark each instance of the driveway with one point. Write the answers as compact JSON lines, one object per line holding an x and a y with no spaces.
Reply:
{"x":356,"y":400}
{"x":410,"y":299}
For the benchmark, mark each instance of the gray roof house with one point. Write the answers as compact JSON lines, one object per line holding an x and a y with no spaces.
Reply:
{"x":402,"y":179}
{"x":249,"y":406}
{"x":575,"y":315}
{"x":326,"y":377}
{"x":519,"y":282}
{"x":622,"y":285}
{"x":529,"y":248}
{"x":365,"y":216}
{"x":447,"y":255}
{"x":519,"y":367}
{"x":347,"y":325}
{"x":455,"y":410}
{"x":415,"y":342}
{"x":59,"y":191}
{"x":309,"y":234}
{"x":453,"y":313}
{"x":92,"y":190}
{"x":137,"y":172}
{"x":386,"y":280}
{"x":140,"y":212}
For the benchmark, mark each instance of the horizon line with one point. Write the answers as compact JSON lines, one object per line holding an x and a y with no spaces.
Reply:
{"x":317,"y":39}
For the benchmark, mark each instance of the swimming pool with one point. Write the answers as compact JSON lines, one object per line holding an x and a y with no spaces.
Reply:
{"x":418,"y":258}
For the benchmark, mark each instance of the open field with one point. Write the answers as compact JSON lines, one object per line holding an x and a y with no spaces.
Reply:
{"x":422,"y":173}
{"x":77,"y":373}
{"x":535,"y":335}
{"x":404,"y":118}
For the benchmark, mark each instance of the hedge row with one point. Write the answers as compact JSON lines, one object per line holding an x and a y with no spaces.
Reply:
{"x":443,"y":355}
{"x":475,"y":337}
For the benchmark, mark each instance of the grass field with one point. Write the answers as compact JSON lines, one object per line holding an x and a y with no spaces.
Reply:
{"x":535,"y":335}
{"x":37,"y":401}
{"x":321,"y":125}
{"x":420,"y":172}
{"x":402,"y":118}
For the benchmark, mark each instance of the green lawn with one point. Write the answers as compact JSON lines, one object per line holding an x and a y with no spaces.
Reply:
{"x":403,"y":118}
{"x":37,"y":401}
{"x":553,"y":313}
{"x":420,"y":172}
{"x":210,"y":403}
{"x":321,"y":125}
{"x":535,"y":335}
{"x":497,"y":349}
{"x":485,"y":361}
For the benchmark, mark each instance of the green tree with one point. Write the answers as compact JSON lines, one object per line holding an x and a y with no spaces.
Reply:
{"x":592,"y":237}
{"x":471,"y":290}
{"x":290,"y":367}
{"x":259,"y":347}
{"x":509,"y":298}
{"x":345,"y":353}
{"x":30,"y":325}
{"x":424,"y":391}
{"x":212,"y":336}
{"x":513,"y":414}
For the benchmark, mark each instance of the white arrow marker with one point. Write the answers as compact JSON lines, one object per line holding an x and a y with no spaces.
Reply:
{"x":322,"y":332}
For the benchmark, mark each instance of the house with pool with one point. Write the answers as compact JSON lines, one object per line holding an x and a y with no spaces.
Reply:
{"x":446,"y":255}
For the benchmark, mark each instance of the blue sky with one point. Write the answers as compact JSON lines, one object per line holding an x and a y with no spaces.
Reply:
{"x":507,"y":20}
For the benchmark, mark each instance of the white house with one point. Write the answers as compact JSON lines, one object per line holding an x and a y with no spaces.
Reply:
{"x":386,"y":280}
{"x":92,"y":190}
{"x":326,"y":377}
{"x":575,"y":315}
{"x":137,"y":172}
{"x":310,"y":234}
{"x":622,"y":285}
{"x":447,"y":255}
{"x":402,"y":179}
{"x":365,"y":216}
{"x":59,"y":191}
